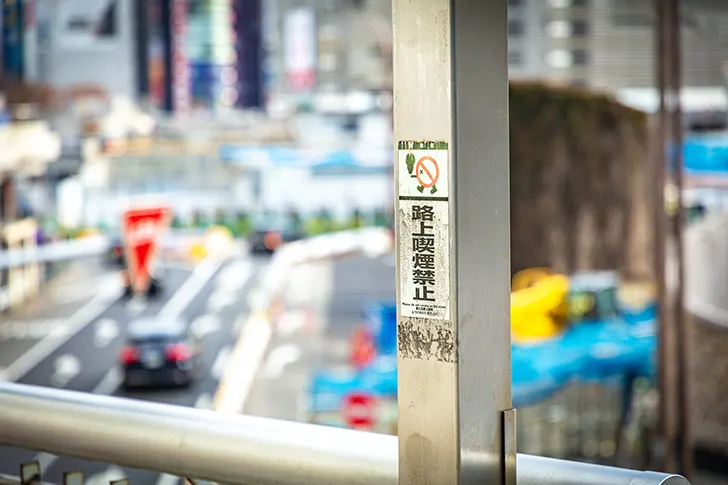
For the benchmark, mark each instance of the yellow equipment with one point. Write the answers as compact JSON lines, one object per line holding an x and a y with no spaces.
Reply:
{"x":539,"y":304}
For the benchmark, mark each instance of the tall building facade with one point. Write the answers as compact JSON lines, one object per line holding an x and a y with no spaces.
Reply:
{"x":328,"y":46}
{"x":200,"y":54}
{"x":609,"y":44}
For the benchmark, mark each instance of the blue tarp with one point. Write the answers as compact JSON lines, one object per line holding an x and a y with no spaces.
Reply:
{"x":605,"y":351}
{"x":345,"y":162}
{"x":706,"y":154}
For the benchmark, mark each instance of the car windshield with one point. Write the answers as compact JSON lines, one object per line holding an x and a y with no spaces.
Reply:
{"x":149,"y":330}
{"x":156,"y":339}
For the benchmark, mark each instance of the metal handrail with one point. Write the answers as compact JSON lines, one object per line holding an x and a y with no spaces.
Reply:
{"x":57,"y":251}
{"x":237,"y":449}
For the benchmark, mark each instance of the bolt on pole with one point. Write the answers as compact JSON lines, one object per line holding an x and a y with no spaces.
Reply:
{"x":456,"y":424}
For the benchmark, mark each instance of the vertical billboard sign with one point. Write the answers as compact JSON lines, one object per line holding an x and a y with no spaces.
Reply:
{"x":2,"y":49}
{"x":223,"y":53}
{"x":12,"y":42}
{"x":156,"y":68}
{"x":181,"y":92}
{"x":30,"y":40}
{"x":300,"y":49}
{"x":249,"y":62}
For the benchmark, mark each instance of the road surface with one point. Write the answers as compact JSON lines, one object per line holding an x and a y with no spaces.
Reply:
{"x":323,"y":306}
{"x":71,"y":338}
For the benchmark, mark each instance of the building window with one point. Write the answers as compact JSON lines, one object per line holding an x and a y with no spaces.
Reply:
{"x":579,"y":3}
{"x":560,"y":3}
{"x":579,"y":28}
{"x":514,"y":58}
{"x":515,"y":28}
{"x":559,"y":59}
{"x":579,"y":57}
{"x":558,"y":29}
{"x":514,"y":3}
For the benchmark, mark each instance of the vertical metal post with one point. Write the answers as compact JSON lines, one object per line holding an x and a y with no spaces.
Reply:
{"x":452,"y":174}
{"x":682,"y":322}
{"x":666,"y":359}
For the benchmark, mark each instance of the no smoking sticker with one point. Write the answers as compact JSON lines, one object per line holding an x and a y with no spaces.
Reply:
{"x":423,"y":216}
{"x":423,"y":169}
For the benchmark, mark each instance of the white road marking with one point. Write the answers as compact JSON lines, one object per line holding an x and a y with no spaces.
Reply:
{"x":238,"y":325}
{"x":58,"y":336}
{"x":109,"y":475}
{"x":290,"y":323}
{"x":204,"y":401}
{"x":66,"y":367}
{"x":205,"y":324}
{"x":28,"y":330}
{"x":218,"y":367}
{"x":280,"y":358}
{"x":220,"y":299}
{"x":106,"y":331}
{"x":191,"y":287}
{"x":258,"y":298}
{"x":236,"y":275}
{"x":167,"y":480}
{"x":229,"y":284}
{"x":136,"y":305}
{"x":110,"y":383}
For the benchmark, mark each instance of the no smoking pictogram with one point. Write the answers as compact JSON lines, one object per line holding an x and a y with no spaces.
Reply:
{"x":427,"y":172}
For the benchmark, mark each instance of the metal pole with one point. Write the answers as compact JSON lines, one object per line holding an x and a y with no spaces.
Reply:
{"x":666,"y":369}
{"x":237,"y":449}
{"x":683,"y":341}
{"x":456,"y":425}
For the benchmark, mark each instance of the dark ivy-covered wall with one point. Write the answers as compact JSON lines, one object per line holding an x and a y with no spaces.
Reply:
{"x":580,"y":185}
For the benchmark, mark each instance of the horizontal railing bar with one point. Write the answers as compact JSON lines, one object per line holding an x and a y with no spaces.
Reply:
{"x":14,"y":480}
{"x":236,"y":449}
{"x":57,"y":251}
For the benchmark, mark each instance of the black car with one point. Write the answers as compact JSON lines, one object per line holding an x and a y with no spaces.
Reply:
{"x":116,"y":252}
{"x":160,"y":353}
{"x":271,"y":233}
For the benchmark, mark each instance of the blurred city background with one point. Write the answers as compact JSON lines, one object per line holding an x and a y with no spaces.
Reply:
{"x":264,"y":128}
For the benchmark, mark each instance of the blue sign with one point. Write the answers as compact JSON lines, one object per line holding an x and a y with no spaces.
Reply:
{"x":12,"y":33}
{"x":257,"y":156}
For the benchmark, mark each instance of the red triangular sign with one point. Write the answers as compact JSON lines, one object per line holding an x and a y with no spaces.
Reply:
{"x":142,"y":228}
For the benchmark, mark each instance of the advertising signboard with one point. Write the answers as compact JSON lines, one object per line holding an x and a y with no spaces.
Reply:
{"x":300,"y":49}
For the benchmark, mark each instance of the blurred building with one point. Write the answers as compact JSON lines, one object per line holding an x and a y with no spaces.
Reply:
{"x":333,"y":54}
{"x":199,"y":54}
{"x":610,"y":44}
